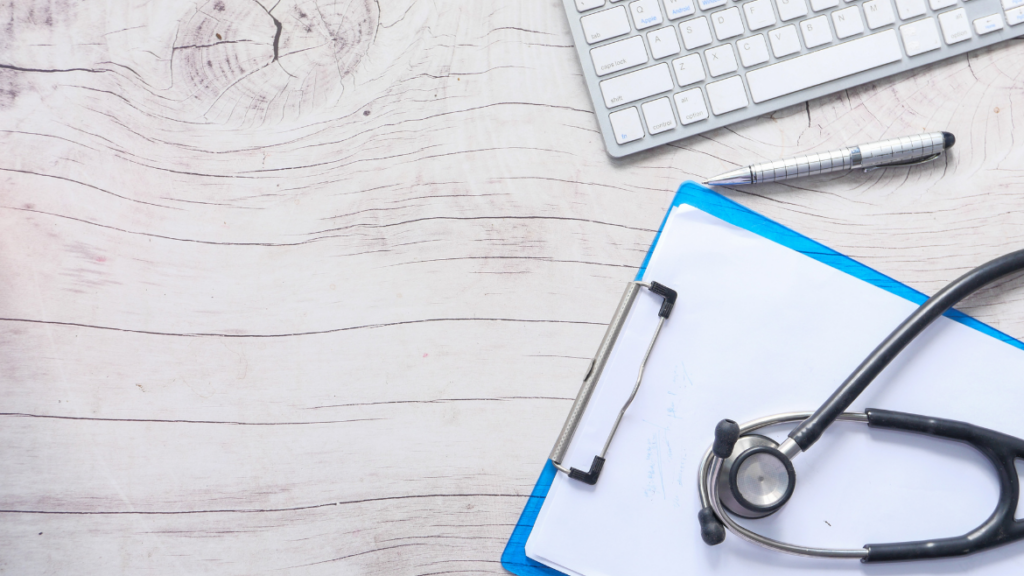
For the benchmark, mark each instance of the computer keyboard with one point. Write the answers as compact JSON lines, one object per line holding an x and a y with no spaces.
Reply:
{"x":661,"y":70}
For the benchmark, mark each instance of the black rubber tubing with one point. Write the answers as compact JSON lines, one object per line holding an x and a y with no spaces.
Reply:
{"x":808,"y":432}
{"x":1000,"y":527}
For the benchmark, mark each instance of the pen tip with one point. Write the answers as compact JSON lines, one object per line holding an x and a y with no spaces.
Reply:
{"x":948,"y":140}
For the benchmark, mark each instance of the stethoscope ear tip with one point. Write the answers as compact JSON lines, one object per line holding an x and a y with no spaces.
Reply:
{"x":711,"y":529}
{"x":727,"y":432}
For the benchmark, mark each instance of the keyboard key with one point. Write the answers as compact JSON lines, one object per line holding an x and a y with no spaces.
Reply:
{"x":721,"y":60}
{"x":727,"y":23}
{"x":679,"y":8}
{"x":940,"y":4}
{"x":988,"y":24}
{"x":626,"y":125}
{"x":606,"y":24}
{"x":727,"y":95}
{"x":663,"y":42}
{"x":909,"y":8}
{"x":816,"y":31}
{"x":691,"y":107}
{"x":636,"y":85}
{"x":879,"y":13}
{"x":847,"y":22}
{"x":709,"y":4}
{"x":955,"y":26}
{"x":619,"y":55}
{"x":584,"y":5}
{"x":759,"y":14}
{"x":920,"y":37}
{"x":789,"y":9}
{"x":645,"y":13}
{"x":1008,"y":4}
{"x":784,"y":41}
{"x":1015,"y":16}
{"x":819,"y":5}
{"x":696,"y":33}
{"x":824,"y":65}
{"x":688,"y":69}
{"x":753,"y":50}
{"x":658,"y":115}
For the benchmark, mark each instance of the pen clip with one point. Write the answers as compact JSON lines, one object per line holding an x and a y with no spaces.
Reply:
{"x":906,"y":162}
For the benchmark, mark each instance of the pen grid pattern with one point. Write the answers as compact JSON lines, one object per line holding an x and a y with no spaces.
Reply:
{"x":896,"y":150}
{"x":803,"y":166}
{"x":901,"y":149}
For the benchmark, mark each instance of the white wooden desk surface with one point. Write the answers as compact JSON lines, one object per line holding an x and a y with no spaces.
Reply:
{"x":325,"y":314}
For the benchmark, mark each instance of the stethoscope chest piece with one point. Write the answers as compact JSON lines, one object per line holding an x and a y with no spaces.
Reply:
{"x":757,"y":479}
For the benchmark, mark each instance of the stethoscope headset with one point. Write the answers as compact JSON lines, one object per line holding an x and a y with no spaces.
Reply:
{"x":752,"y":476}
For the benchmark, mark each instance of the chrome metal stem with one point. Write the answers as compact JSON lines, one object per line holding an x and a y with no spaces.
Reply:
{"x":790,"y":448}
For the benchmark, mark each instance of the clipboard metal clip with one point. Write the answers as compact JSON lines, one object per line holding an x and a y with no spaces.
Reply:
{"x":594,"y":374}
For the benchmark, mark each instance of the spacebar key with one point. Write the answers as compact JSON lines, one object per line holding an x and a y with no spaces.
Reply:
{"x":824,"y":66}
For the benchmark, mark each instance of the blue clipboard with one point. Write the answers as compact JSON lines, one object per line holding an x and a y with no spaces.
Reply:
{"x":690,"y":193}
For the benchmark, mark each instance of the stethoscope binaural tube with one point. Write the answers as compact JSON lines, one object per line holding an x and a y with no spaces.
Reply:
{"x":1002,"y":450}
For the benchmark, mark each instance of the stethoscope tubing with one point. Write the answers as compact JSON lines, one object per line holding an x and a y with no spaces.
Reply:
{"x":808,"y":431}
{"x":1000,"y":528}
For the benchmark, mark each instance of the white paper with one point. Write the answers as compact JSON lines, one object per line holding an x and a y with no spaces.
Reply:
{"x":761,"y":329}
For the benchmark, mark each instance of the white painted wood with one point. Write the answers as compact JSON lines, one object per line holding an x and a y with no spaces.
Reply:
{"x":326,"y":313}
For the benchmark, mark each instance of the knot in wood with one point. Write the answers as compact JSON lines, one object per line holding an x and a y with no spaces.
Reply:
{"x":251,"y":62}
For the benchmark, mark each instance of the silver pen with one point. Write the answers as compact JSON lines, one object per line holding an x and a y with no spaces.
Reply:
{"x":896,"y":152}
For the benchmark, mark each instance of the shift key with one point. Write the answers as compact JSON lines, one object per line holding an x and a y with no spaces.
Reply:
{"x":636,"y":85}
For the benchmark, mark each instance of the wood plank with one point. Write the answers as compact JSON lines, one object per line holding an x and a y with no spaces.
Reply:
{"x":325,"y":312}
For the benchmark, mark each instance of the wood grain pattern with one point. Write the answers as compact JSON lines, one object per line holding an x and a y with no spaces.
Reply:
{"x":309,"y":286}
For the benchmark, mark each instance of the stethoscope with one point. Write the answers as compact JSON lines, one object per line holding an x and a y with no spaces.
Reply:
{"x":752,"y":476}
